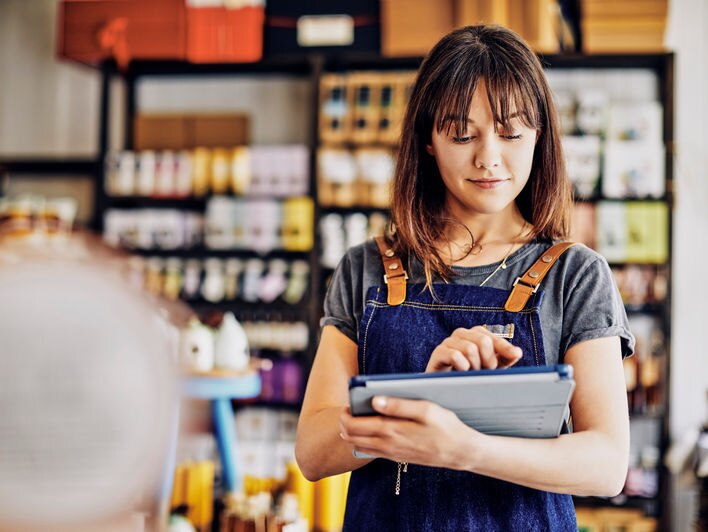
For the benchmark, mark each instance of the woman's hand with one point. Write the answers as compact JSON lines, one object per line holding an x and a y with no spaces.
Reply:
{"x":474,"y":348}
{"x":417,"y":432}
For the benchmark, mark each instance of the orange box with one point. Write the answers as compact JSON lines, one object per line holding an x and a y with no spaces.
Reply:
{"x":90,"y":31}
{"x":221,"y":34}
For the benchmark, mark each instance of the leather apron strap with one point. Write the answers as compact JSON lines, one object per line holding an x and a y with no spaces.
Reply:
{"x":395,"y":276}
{"x":528,"y":284}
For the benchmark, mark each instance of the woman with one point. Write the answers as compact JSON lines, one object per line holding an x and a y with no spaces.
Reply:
{"x":479,"y":196}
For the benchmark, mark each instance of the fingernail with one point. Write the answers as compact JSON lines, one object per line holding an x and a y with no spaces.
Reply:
{"x":341,"y":435}
{"x":379,"y":402}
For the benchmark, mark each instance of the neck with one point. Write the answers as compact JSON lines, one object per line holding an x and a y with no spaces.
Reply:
{"x":483,"y":241}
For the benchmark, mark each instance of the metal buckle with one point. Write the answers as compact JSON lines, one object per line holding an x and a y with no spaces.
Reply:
{"x":405,"y":277}
{"x":518,"y":279}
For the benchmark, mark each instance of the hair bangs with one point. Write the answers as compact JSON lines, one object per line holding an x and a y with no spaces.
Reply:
{"x":449,"y":99}
{"x":509,"y":98}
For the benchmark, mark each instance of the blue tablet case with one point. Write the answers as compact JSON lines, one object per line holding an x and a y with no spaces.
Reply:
{"x":527,"y":402}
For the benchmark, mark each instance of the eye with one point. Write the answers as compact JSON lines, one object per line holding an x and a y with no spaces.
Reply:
{"x":461,"y":140}
{"x":512,"y":137}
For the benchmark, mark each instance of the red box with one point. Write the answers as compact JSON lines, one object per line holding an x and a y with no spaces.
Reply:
{"x":93,"y":30}
{"x":221,"y":34}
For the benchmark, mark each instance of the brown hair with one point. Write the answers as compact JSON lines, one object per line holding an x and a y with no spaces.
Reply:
{"x":446,"y":81}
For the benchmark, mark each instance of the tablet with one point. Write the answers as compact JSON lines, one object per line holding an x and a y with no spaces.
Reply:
{"x":527,"y":402}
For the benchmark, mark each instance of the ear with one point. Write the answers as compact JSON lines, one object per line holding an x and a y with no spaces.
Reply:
{"x":429,"y":149}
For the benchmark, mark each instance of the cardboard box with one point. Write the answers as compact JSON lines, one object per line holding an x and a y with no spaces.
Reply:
{"x":91,"y":31}
{"x":629,"y":26}
{"x":538,"y":22}
{"x":183,"y":131}
{"x":412,"y":27}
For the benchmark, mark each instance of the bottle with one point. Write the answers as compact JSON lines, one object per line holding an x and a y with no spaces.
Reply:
{"x":231,"y":345}
{"x":197,"y":347}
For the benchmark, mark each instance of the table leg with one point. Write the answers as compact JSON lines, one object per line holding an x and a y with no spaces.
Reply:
{"x":223,"y":414}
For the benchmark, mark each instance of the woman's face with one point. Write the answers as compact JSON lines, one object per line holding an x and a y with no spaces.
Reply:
{"x":483,"y":170}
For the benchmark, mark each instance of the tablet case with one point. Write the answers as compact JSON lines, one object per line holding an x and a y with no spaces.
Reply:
{"x":527,"y":402}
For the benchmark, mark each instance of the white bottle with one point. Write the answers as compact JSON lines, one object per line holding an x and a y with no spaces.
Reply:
{"x":231,"y":345}
{"x":197,"y":347}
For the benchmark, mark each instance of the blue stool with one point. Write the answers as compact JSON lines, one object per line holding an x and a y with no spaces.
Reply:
{"x":220,"y":387}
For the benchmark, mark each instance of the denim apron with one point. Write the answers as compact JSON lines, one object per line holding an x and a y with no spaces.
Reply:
{"x":385,"y":495}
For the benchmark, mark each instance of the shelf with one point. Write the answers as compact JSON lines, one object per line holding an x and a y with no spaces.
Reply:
{"x":204,"y":253}
{"x":596,"y":199}
{"x":145,"y":202}
{"x":650,"y":506}
{"x":353,"y":210}
{"x":186,"y":203}
{"x":277,"y":65}
{"x":49,"y":166}
{"x":647,"y":308}
{"x":656,"y":61}
{"x":257,"y":307}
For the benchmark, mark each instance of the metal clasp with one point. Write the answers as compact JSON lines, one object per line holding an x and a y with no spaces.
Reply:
{"x":518,"y":279}
{"x":405,"y":276}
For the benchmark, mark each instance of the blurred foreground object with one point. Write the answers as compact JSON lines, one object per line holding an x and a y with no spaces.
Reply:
{"x":87,"y":387}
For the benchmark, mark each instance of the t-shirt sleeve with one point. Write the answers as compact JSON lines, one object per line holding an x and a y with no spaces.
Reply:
{"x":594,"y":308}
{"x":338,"y":302}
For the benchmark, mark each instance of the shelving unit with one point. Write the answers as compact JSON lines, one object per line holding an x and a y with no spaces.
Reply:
{"x":313,"y":68}
{"x":662,"y":67}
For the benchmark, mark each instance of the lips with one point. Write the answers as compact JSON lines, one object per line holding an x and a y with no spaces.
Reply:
{"x":488,"y":183}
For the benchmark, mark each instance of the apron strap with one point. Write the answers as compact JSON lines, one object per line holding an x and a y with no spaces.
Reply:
{"x":394,"y":274}
{"x":528,"y":284}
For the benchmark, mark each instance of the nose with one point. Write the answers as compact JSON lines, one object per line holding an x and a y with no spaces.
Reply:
{"x":488,"y":153}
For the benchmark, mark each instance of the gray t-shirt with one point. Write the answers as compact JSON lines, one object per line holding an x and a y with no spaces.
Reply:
{"x":581,"y":300}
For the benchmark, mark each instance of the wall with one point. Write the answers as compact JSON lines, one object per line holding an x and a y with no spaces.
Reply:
{"x":688,"y":23}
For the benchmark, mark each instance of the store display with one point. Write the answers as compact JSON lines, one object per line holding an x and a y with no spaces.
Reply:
{"x":582,"y":157}
{"x":298,"y":27}
{"x":633,"y":168}
{"x":277,"y":171}
{"x":363,"y":107}
{"x":231,"y":350}
{"x":602,"y":109}
{"x":196,"y":347}
{"x":26,"y":215}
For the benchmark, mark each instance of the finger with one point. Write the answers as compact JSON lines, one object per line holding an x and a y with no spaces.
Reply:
{"x":506,"y":353}
{"x":485,"y":349}
{"x":469,"y":348}
{"x":445,"y":359}
{"x":415,"y":410}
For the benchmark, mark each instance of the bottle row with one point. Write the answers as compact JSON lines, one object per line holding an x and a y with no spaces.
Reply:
{"x":216,"y":280}
{"x":229,"y":223}
{"x":615,"y":168}
{"x":643,"y":473}
{"x":260,"y":170}
{"x":229,"y":347}
{"x":359,"y":177}
{"x":632,"y":231}
{"x":26,"y":214}
{"x":340,"y":232}
{"x":603,"y":519}
{"x":363,"y":107}
{"x":645,"y":371}
{"x":641,"y":285}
